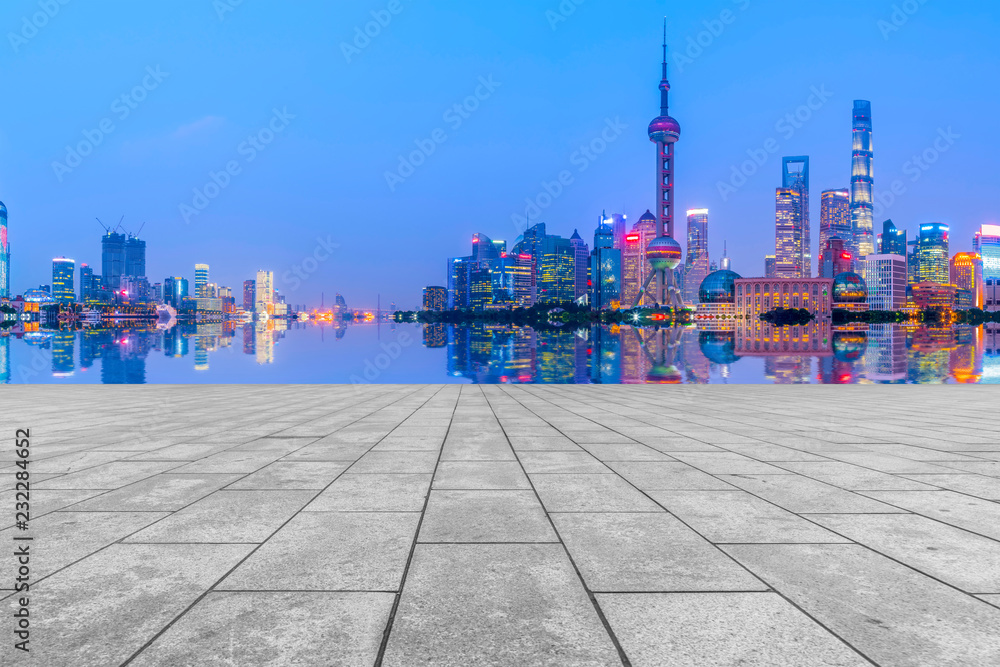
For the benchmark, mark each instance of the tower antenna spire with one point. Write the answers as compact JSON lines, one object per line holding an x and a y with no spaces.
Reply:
{"x":664,"y":47}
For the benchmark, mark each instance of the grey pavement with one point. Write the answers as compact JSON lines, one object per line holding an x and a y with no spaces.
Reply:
{"x":506,"y":525}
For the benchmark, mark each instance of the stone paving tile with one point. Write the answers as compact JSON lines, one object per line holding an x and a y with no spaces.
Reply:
{"x":104,"y":608}
{"x":853,"y":477}
{"x":556,"y":443}
{"x":803,"y":495}
{"x":625,"y":451}
{"x":373,"y":493}
{"x":227,"y":516}
{"x":331,"y":551}
{"x":673,"y":475}
{"x":980,"y":486}
{"x":105,"y":476}
{"x":988,"y":468}
{"x":565,"y":462}
{"x":271,"y":628}
{"x":737,"y":516}
{"x":721,"y":629}
{"x":496,"y":604}
{"x":955,"y":556}
{"x":292,"y":475}
{"x":648,"y":553}
{"x":63,"y":538}
{"x":485,"y":516}
{"x":468,"y":448}
{"x":230,"y":461}
{"x":396,"y":462}
{"x":161,"y":493}
{"x":962,"y":511}
{"x":590,"y":493}
{"x":883,"y":607}
{"x":480,"y":475}
{"x":888,"y":462}
{"x":727,"y":463}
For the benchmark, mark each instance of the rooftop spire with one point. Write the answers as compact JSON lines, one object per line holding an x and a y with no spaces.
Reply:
{"x":664,"y":84}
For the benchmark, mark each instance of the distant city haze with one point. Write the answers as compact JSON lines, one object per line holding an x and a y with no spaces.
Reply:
{"x":354,"y":147}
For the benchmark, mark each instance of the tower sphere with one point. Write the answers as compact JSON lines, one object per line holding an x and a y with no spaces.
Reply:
{"x":664,"y":253}
{"x":664,"y":129}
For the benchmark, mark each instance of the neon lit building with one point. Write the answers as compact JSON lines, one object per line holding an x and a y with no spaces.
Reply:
{"x":892,"y":241}
{"x":4,"y":255}
{"x":696,"y":264}
{"x":862,"y":180}
{"x":885,"y":275}
{"x":175,"y":289}
{"x":605,"y":269}
{"x":663,"y":253}
{"x":986,"y":243}
{"x":932,"y":253}
{"x":835,"y":217}
{"x":636,"y":269}
{"x":967,"y":274}
{"x":62,"y":280}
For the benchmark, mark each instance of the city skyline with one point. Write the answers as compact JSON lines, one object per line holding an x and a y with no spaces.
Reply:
{"x":236,"y":231}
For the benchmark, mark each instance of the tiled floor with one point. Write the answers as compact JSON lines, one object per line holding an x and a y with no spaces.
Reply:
{"x":487,"y":525}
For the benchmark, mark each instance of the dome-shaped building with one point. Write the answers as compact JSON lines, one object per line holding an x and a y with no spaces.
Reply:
{"x":719,"y":287}
{"x":850,"y":292}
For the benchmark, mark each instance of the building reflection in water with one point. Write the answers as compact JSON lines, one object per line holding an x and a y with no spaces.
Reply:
{"x":818,"y":352}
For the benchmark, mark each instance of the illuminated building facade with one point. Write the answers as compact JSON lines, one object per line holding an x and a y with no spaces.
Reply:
{"x":770,"y":266}
{"x":933,"y":295}
{"x":986,"y":243}
{"x":835,"y":217}
{"x":696,"y":264}
{"x":795,"y":176}
{"x":967,"y":274}
{"x":581,"y":259}
{"x":717,"y":296}
{"x":605,"y":269}
{"x":4,"y":255}
{"x":518,"y":278}
{"x":480,"y":285}
{"x":759,"y":295}
{"x":885,"y":275}
{"x":265,"y":293}
{"x":556,"y":278}
{"x":633,"y":262}
{"x":788,"y":242}
{"x":88,"y":288}
{"x":63,"y":280}
{"x":200,"y":280}
{"x":932,"y":253}
{"x":618,"y":224}
{"x":458,"y":282}
{"x":850,"y":292}
{"x":135,"y":257}
{"x":835,"y":258}
{"x":435,"y":298}
{"x":175,"y":289}
{"x":862,"y":180}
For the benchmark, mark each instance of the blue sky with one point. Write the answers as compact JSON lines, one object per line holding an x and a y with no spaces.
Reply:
{"x":206,"y":88}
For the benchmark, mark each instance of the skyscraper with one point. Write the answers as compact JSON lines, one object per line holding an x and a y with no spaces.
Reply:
{"x":789,"y":260}
{"x":435,"y":298}
{"x":696,"y":264}
{"x":835,"y":217}
{"x":726,"y":263}
{"x":112,"y":260}
{"x":458,"y":282}
{"x":986,"y":243}
{"x":770,"y":266}
{"x":265,"y":291}
{"x":249,"y":294}
{"x":200,"y":280}
{"x":86,"y":282}
{"x":862,"y":180}
{"x":885,"y":276}
{"x":636,"y":269}
{"x":967,"y":273}
{"x":892,"y":240}
{"x":581,"y":259}
{"x":4,"y":254}
{"x":62,"y":280}
{"x":618,"y":229}
{"x":663,"y":253}
{"x":135,"y":257}
{"x":175,"y":289}
{"x":795,"y":176}
{"x":556,"y":281}
{"x":932,"y":253}
{"x":605,"y":268}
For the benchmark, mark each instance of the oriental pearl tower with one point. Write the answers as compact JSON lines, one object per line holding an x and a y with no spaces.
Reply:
{"x":664,"y":253}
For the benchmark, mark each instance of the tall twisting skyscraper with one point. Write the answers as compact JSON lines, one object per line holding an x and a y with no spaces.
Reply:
{"x":795,"y":176}
{"x":4,"y":254}
{"x":664,"y":253}
{"x":862,"y":216}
